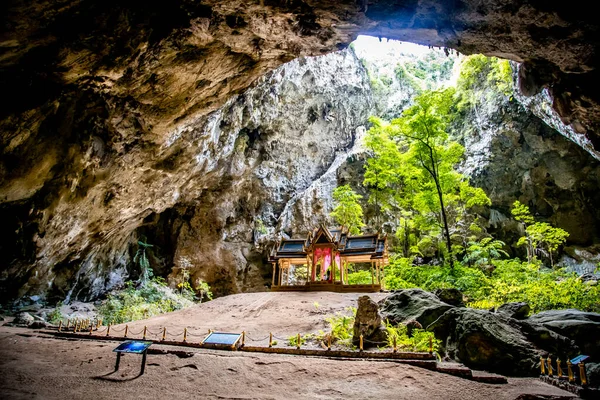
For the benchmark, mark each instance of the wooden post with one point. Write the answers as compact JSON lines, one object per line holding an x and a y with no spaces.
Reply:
{"x":273,"y":280}
{"x":270,"y":339}
{"x":549,"y":366}
{"x":342,"y":262}
{"x":372,"y":279}
{"x":558,"y":369}
{"x":582,"y":374}
{"x":542,"y":366}
{"x":570,"y":371}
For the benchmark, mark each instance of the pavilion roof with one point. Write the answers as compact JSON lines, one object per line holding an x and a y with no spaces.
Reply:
{"x":370,"y":244}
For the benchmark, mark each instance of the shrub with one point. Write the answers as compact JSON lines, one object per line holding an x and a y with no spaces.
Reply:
{"x":419,"y":341}
{"x":131,"y":304}
{"x":509,"y":281}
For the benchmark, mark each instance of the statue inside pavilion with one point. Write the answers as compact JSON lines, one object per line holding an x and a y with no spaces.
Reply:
{"x":324,"y":260}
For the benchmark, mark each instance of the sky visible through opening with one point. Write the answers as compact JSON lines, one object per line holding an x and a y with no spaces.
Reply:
{"x":376,"y":48}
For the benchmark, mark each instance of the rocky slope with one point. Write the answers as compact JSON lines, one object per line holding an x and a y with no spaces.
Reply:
{"x":514,"y":155}
{"x":204,"y":198}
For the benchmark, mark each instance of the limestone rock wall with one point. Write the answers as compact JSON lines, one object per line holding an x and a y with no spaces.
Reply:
{"x":210,"y":195}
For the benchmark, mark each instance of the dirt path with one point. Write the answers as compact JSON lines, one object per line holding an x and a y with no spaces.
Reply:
{"x":36,"y":366}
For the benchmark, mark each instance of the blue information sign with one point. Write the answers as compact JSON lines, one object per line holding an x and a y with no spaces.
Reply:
{"x":579,"y":358}
{"x":132,"y":346}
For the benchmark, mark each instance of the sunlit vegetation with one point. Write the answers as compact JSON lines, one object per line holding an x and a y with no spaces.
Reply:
{"x":435,"y":215}
{"x":348,"y":211}
{"x":134,"y":303}
{"x":507,"y":281}
{"x":151,"y":295}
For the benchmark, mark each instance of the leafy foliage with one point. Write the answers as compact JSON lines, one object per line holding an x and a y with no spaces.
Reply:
{"x":540,"y":237}
{"x":145,"y":301}
{"x":348,"y":211}
{"x":479,"y":72}
{"x":55,"y":315}
{"x":341,"y":326}
{"x":482,"y":253}
{"x":411,"y":178}
{"x":141,"y":258}
{"x":418,"y":341}
{"x":510,"y":281}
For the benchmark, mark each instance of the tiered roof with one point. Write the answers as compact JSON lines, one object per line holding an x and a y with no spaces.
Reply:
{"x":347,"y":245}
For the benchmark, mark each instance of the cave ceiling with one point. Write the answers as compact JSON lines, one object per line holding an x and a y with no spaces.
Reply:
{"x":173,"y":60}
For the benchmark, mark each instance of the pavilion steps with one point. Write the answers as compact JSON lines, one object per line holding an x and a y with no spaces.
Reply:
{"x":328,"y":287}
{"x":465,"y":372}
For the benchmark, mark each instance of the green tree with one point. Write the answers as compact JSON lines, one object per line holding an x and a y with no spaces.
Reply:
{"x":348,"y":211}
{"x":540,"y":236}
{"x":423,"y":127}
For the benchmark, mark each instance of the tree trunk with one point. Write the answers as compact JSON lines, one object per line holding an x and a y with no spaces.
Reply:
{"x":445,"y":220}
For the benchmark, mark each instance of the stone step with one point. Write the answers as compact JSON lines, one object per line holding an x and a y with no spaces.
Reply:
{"x":487,"y":377}
{"x":455,"y":369}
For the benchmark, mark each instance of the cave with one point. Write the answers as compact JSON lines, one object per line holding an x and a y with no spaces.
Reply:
{"x":120,"y":119}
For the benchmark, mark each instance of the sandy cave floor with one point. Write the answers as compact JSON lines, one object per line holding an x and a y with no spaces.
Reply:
{"x":34,"y":365}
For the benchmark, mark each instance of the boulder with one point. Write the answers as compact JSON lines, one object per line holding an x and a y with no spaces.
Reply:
{"x":592,"y":372}
{"x":38,"y":325}
{"x":579,"y":326}
{"x":368,"y":323}
{"x":452,"y":296}
{"x":484,"y":340}
{"x":412,"y":305}
{"x":23,"y":319}
{"x":514,"y":310}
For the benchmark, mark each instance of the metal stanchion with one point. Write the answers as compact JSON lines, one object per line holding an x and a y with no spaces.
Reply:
{"x":570,"y":371}
{"x":298,"y":342}
{"x":329,"y":342}
{"x":549,"y":366}
{"x":582,"y":374}
{"x":164,"y":335}
{"x":68,"y":323}
{"x":145,"y":329}
{"x":108,"y":330}
{"x":543,"y":365}
{"x":126,"y":329}
{"x":558,"y":368}
{"x":243,"y":338}
{"x":270,"y":339}
{"x":60,"y":325}
{"x":91,"y":328}
{"x":361,"y":342}
{"x":395,"y":347}
{"x":430,"y":345}
{"x":185,"y":334}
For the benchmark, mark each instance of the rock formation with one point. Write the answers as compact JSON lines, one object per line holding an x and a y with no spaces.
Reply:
{"x":368,"y":324}
{"x":206,"y":198}
{"x":112,"y":125}
{"x":496,"y":342}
